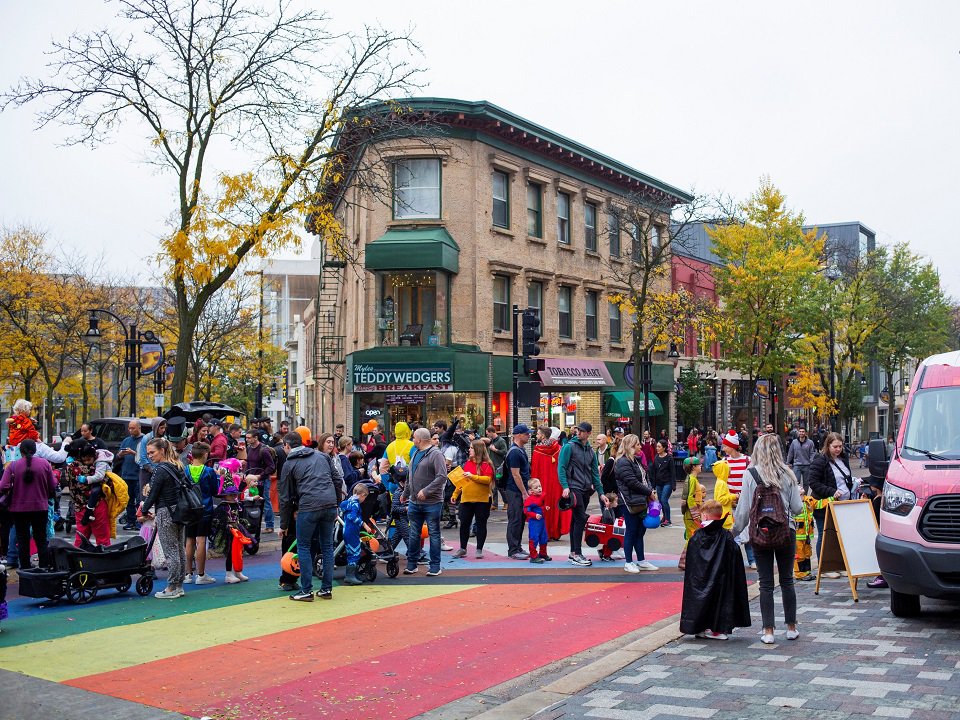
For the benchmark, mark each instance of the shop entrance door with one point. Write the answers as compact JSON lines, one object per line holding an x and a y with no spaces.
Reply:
{"x":408,"y":413}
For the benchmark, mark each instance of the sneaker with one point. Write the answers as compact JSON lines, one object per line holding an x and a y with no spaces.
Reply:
{"x":752,"y":566}
{"x":767,"y":638}
{"x":878,"y":583}
{"x":444,"y":547}
{"x":618,"y":555}
{"x":205,"y":579}
{"x":645,"y":565}
{"x":325,"y":594}
{"x":189,"y":579}
{"x":240,"y":576}
{"x":805,"y":578}
{"x":711,"y":635}
{"x":631,"y":567}
{"x":843,"y":573}
{"x":547,"y":558}
{"x":231,"y":578}
{"x":302,"y":596}
{"x":434,"y":573}
{"x":288,"y":587}
{"x":831,"y":575}
{"x":793,"y":634}
{"x":579,"y":560}
{"x":479,"y":554}
{"x":410,"y":571}
{"x":168,"y":594}
{"x":537,"y":560}
{"x":520,"y":555}
{"x":604,"y":558}
{"x":460,"y":553}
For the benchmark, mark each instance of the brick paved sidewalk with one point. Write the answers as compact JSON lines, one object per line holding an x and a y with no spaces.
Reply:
{"x":852,"y":660}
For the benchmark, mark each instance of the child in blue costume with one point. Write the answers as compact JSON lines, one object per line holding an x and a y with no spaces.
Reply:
{"x":533,"y":509}
{"x":352,"y":522}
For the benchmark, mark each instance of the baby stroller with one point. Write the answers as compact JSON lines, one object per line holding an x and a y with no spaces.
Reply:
{"x":374,"y":544}
{"x":79,"y":573}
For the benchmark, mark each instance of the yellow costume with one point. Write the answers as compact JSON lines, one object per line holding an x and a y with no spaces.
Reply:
{"x":116,"y":495}
{"x":693,"y":496}
{"x":401,"y":447}
{"x":801,"y":565}
{"x":721,"y":491}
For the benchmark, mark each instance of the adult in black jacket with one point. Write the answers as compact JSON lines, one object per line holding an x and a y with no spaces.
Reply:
{"x":164,"y":492}
{"x":635,"y":493}
{"x":664,"y":476}
{"x":830,"y":476}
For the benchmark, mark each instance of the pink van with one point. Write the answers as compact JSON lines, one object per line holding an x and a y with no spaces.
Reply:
{"x":919,"y":542}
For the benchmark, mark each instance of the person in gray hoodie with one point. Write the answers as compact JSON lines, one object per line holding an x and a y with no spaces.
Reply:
{"x":424,"y":490}
{"x":308,"y":487}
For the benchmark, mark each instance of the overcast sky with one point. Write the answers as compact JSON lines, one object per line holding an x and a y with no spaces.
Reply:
{"x":851,"y":108}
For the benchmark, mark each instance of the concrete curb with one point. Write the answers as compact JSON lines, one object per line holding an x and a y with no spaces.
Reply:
{"x":638,"y":644}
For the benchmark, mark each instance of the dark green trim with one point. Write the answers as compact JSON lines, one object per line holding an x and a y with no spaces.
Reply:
{"x":662,"y":377}
{"x":471,"y":368}
{"x":617,"y":404}
{"x":420,"y":248}
{"x":503,"y":373}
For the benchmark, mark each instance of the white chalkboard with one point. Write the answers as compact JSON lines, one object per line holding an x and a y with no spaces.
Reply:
{"x":857,"y":531}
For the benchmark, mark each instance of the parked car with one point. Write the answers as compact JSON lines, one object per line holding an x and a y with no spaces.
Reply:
{"x":918,"y":547}
{"x":113,"y":430}
{"x":192,"y":411}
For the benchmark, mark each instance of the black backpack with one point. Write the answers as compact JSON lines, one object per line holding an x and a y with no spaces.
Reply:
{"x":189,"y":507}
{"x":769,"y":523}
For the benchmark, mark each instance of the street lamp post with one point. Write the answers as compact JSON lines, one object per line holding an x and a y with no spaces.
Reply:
{"x":133,"y":340}
{"x":258,"y":393}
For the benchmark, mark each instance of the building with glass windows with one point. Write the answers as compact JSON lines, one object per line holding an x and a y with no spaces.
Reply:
{"x":491,"y":212}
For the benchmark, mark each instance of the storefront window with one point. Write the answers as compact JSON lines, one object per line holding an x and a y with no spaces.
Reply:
{"x":412,"y":307}
{"x":559,"y":409}
{"x":469,"y":406}
{"x":500,"y":411}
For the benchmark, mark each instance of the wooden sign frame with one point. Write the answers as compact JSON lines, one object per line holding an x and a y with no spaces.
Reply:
{"x":833,"y":556}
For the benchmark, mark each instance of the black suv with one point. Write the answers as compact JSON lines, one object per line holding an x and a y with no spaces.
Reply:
{"x":113,"y":430}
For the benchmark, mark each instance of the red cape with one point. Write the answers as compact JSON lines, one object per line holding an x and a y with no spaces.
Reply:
{"x":544,"y":467}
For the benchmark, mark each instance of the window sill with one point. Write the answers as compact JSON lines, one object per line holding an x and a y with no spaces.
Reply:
{"x":594,"y":344}
{"x":502,"y":335}
{"x":406,"y":222}
{"x":565,"y":246}
{"x":535,"y":240}
{"x":617,"y":346}
{"x":616,"y":259}
{"x":502,"y":231}
{"x":568,"y":342}
{"x":592,"y":254}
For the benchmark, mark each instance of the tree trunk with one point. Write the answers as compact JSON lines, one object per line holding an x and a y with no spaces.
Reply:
{"x":187,"y":326}
{"x":750,"y":415}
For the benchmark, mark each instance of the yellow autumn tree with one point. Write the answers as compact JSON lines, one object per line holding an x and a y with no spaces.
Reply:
{"x":768,"y":285}
{"x":208,"y":81}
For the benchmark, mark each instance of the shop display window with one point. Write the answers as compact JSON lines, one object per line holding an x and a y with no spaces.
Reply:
{"x":471,"y":406}
{"x":412,"y":307}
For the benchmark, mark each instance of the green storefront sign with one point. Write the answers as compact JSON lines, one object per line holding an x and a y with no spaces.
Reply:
{"x":379,"y":377}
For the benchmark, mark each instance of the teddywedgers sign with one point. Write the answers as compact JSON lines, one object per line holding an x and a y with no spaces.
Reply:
{"x":370,"y":377}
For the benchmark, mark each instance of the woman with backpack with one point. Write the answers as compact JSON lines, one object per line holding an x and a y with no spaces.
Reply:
{"x":768,"y":503}
{"x":164,"y":494}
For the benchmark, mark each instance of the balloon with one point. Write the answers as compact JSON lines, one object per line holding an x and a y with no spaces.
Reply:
{"x":651,"y":522}
{"x":424,"y":533}
{"x":290,"y":564}
{"x":304,"y":432}
{"x":364,"y":428}
{"x":374,"y":544}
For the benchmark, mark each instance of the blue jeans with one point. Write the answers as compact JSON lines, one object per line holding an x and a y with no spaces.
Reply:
{"x":663,"y":496}
{"x":633,"y":539}
{"x":268,"y":506}
{"x":417,"y":515}
{"x":13,"y":555}
{"x":316,"y":527}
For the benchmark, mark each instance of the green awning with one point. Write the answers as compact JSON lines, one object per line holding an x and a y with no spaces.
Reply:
{"x":620,"y":404}
{"x":429,"y":248}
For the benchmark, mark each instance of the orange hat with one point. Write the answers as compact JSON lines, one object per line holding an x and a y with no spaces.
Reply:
{"x":304,"y":432}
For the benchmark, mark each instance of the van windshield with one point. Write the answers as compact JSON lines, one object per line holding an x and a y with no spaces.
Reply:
{"x":934,"y":424}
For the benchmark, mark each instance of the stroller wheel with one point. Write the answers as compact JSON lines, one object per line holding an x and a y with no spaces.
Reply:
{"x":81,"y":588}
{"x":393,"y":568}
{"x":370,"y":572}
{"x":125,"y":585}
{"x":144,"y":585}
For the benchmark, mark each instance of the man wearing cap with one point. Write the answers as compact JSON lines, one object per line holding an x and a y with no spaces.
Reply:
{"x":577,"y":471}
{"x":218,"y":443}
{"x":518,"y":464}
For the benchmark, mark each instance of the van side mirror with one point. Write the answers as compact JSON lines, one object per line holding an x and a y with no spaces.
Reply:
{"x":878,"y":459}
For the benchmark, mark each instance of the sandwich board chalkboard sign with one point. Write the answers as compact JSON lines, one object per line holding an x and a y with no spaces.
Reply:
{"x":849,"y":542}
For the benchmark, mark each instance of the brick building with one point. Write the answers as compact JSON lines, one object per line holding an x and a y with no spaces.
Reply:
{"x":495,"y":212}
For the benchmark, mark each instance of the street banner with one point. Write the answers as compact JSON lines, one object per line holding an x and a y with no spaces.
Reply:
{"x":151,"y":358}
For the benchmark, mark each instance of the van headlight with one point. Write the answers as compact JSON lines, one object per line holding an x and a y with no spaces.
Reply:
{"x":897,"y":500}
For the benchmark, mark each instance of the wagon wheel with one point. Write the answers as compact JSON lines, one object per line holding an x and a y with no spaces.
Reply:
{"x":144,"y":585}
{"x":370,"y":572}
{"x":393,"y":568}
{"x":81,"y":588}
{"x":125,"y":585}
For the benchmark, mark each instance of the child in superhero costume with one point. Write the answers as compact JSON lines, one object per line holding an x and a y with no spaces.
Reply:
{"x":534,"y":509}
{"x":352,"y":515}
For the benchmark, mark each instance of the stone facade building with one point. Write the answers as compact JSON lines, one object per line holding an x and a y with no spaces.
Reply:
{"x":493,"y":212}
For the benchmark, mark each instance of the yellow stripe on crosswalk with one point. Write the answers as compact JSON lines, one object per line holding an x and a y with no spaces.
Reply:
{"x":121,"y":647}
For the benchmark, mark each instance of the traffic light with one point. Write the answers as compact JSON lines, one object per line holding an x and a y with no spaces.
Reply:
{"x":531,"y":334}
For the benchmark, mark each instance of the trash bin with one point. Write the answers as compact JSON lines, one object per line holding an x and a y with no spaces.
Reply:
{"x":678,"y":457}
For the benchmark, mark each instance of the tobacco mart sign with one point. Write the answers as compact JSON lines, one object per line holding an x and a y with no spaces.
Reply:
{"x":374,"y":377}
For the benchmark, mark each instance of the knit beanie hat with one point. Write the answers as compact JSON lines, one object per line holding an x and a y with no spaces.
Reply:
{"x":732,"y":440}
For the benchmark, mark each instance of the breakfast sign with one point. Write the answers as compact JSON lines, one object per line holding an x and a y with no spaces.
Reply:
{"x":375,"y":377}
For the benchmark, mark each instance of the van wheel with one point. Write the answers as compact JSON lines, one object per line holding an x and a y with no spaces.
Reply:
{"x":904,"y":605}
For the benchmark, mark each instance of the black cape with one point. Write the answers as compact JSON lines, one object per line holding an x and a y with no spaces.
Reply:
{"x":714,"y":584}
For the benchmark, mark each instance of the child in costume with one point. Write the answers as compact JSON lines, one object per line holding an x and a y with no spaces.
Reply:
{"x":802,"y":566}
{"x":228,"y":532}
{"x":21,"y":427}
{"x":85,"y":475}
{"x":714,"y":582}
{"x":608,"y":516}
{"x":693,"y":494}
{"x":534,"y":509}
{"x":352,"y":516}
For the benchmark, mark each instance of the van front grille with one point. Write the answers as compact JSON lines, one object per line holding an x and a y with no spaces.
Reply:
{"x":940,"y":522}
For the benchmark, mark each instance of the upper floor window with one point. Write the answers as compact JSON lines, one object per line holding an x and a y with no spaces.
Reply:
{"x":613,"y":230}
{"x":654,"y":237}
{"x":591,"y":307}
{"x":534,"y":210}
{"x":411,"y":305}
{"x":563,"y":218}
{"x":535,"y":295}
{"x":616,"y":332}
{"x":416,"y":188}
{"x":501,"y":199}
{"x":565,"y":307}
{"x":590,"y":226}
{"x":501,"y":303}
